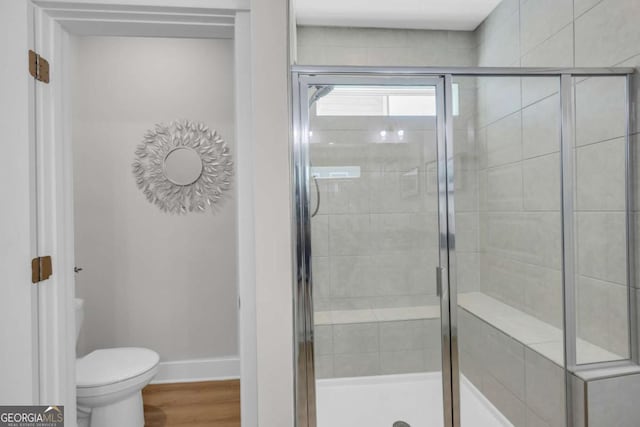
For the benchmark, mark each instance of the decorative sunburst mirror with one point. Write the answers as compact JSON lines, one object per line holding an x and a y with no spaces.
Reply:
{"x":183,"y":167}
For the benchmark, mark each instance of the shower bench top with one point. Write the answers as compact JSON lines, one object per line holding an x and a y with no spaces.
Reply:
{"x":540,"y":336}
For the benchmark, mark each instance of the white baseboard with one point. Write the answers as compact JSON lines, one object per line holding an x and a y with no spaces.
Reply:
{"x":184,"y":371}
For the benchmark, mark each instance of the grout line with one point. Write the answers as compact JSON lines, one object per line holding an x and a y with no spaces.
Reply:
{"x":523,"y":192}
{"x":520,"y":55}
{"x":575,"y":18}
{"x":603,"y":211}
{"x":603,"y":281}
{"x":545,"y":98}
{"x":573,"y":22}
{"x":515,"y":162}
{"x":627,"y":59}
{"x":501,"y":117}
{"x":599,"y":142}
{"x":547,"y":39}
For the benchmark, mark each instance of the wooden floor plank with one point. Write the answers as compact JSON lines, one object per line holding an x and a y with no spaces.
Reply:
{"x":199,"y":404}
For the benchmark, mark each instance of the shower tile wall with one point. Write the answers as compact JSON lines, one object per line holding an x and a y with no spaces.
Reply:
{"x":377,"y":46}
{"x":377,"y":348}
{"x":374,"y":235}
{"x":511,"y":150}
{"x":524,"y":386}
{"x":518,"y":163}
{"x":519,"y":207}
{"x":374,"y":243}
{"x":563,"y":34}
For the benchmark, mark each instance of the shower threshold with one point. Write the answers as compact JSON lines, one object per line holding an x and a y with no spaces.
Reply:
{"x":416,"y":399}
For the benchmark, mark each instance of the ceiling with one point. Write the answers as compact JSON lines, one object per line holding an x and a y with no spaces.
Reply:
{"x":416,"y":14}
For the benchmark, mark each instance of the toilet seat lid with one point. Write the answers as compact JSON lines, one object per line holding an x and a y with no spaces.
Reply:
{"x":113,"y":365}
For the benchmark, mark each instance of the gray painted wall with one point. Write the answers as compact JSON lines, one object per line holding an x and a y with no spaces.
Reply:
{"x":150,"y":279}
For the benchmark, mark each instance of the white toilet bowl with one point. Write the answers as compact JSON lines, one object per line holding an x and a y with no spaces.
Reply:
{"x":109,"y":384}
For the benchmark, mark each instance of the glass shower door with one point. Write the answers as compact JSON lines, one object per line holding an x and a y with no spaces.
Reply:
{"x":372,"y":202}
{"x":508,"y":251}
{"x":414,"y":313}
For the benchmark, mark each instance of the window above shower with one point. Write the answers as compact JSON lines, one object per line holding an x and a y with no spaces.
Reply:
{"x":381,"y":102}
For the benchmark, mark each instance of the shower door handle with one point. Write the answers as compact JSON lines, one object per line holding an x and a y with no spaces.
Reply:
{"x":439,"y":281}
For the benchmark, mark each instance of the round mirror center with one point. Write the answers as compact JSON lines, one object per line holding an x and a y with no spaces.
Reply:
{"x":182,"y":166}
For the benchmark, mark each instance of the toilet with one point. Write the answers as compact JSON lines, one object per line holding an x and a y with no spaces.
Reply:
{"x":109,"y":383}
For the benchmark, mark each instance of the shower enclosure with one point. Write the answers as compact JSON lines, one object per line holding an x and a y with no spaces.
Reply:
{"x":464,"y":243}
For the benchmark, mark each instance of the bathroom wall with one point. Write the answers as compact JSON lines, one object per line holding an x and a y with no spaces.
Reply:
{"x":149,"y":278}
{"x":378,"y":46}
{"x":565,"y":33}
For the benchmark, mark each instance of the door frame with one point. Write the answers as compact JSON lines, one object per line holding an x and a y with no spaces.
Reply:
{"x":51,"y":23}
{"x":19,"y":302}
{"x":304,"y":379}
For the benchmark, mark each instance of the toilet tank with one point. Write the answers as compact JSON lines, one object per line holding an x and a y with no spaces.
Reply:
{"x":79,"y":309}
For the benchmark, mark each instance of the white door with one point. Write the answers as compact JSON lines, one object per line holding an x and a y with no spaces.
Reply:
{"x":18,"y":300}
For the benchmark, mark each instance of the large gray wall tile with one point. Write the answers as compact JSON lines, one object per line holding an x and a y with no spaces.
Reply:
{"x":540,"y":19}
{"x":323,"y":343}
{"x":600,"y":177}
{"x":541,"y":126}
{"x":356,"y":338}
{"x":582,"y":6}
{"x":347,"y":195}
{"x":504,"y":140}
{"x":504,"y":188}
{"x":600,"y":109}
{"x":601,"y":245}
{"x":321,"y":277}
{"x":541,"y":183}
{"x":356,"y":365}
{"x":498,"y":97}
{"x":556,"y":51}
{"x":403,"y":232}
{"x":607,"y":34}
{"x":350,"y":234}
{"x":505,"y":401}
{"x":545,"y":388}
{"x":320,"y":235}
{"x":401,"y":362}
{"x":505,"y":362}
{"x":506,"y":34}
{"x":402,"y":335}
{"x":324,"y":366}
{"x":612,"y":402}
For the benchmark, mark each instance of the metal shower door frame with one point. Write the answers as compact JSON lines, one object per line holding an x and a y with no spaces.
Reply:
{"x":302,"y":76}
{"x":303,"y":281}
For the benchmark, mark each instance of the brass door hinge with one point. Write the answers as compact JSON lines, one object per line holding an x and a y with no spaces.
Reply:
{"x":38,"y":67}
{"x":41,"y":269}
